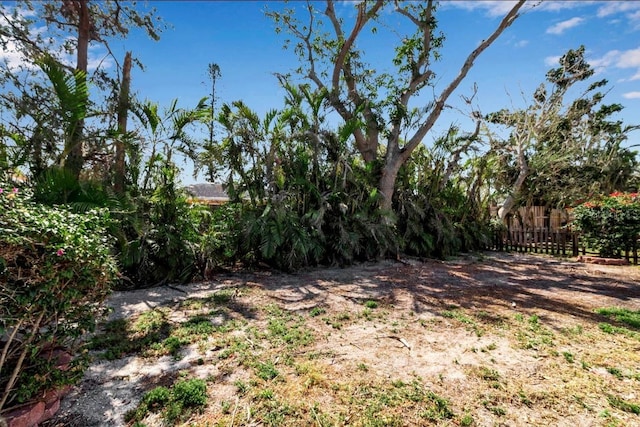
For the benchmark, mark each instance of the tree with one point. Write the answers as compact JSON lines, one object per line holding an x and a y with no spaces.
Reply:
{"x":71,"y":27}
{"x":123,"y":110}
{"x":559,"y":151}
{"x":214,"y":74}
{"x":379,"y":102}
{"x":167,"y":134}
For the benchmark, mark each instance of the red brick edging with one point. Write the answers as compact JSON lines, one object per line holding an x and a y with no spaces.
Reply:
{"x":602,"y":261}
{"x":45,"y":407}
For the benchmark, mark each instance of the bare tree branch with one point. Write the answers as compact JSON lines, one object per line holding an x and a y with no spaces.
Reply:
{"x":440,"y":102}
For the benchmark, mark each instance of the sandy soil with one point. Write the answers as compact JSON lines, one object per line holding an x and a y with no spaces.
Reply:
{"x":561,"y":292}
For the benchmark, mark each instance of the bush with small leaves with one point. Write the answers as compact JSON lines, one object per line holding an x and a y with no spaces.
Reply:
{"x":610,"y":224}
{"x":55,"y":272}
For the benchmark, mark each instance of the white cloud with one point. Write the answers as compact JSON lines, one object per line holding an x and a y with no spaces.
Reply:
{"x":563,"y":26}
{"x":631,"y":95}
{"x":607,"y":60}
{"x":501,"y":7}
{"x":10,"y":55}
{"x":493,"y":8}
{"x":615,"y":58}
{"x":615,"y":7}
{"x":631,"y":10}
{"x":551,"y":61}
{"x":522,"y":43}
{"x":16,"y":61}
{"x":555,"y":6}
{"x":629,"y":59}
{"x":104,"y":62}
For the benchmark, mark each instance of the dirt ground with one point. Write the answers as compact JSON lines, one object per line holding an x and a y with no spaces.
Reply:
{"x":444,"y":322}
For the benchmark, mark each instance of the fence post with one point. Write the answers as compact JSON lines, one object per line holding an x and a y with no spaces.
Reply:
{"x":519,"y":240}
{"x":506,"y":240}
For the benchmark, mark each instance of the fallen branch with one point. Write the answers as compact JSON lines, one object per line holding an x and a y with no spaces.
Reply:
{"x":402,"y":340}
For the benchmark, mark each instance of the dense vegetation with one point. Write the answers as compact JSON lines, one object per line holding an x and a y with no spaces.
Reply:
{"x":87,"y":204}
{"x":55,"y":271}
{"x":611,"y":224}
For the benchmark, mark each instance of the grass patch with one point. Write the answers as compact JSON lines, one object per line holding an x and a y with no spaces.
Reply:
{"x":317,"y":311}
{"x":608,"y":328}
{"x":568,"y":356}
{"x":337,"y":321}
{"x":266,"y":371}
{"x":489,"y":374}
{"x":381,"y":404}
{"x":288,"y":329}
{"x":176,"y":404}
{"x":494,"y":409}
{"x":627,"y":317}
{"x":466,"y":420}
{"x":532,"y":335}
{"x":623,"y":405}
{"x":152,"y":334}
{"x":371,"y":304}
{"x":615,"y":372}
{"x":461,"y":317}
{"x":573,"y":331}
{"x":122,"y":337}
{"x":458,"y":315}
{"x":489,"y":347}
{"x":222,"y":297}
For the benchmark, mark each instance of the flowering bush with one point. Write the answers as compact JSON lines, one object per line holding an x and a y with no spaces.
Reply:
{"x":610,"y":224}
{"x":55,"y":272}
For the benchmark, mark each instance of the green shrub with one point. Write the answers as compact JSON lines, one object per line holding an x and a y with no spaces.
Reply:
{"x":55,"y":273}
{"x":437,"y":217}
{"x":610,"y":224}
{"x":219,"y":244}
{"x":157,"y":398}
{"x":190,"y":393}
{"x":162,"y":235}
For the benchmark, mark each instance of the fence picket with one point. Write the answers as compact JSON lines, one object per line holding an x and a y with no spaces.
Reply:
{"x":547,"y":241}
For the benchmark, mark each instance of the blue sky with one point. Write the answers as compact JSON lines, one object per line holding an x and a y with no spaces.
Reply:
{"x":241,"y":40}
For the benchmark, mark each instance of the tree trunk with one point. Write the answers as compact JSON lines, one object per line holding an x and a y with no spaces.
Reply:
{"x":387,"y":184}
{"x":517,"y":186}
{"x":75,"y":158}
{"x":397,"y":156}
{"x":123,"y":109}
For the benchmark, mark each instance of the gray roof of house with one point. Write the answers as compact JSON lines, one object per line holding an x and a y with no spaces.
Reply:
{"x":208,"y":192}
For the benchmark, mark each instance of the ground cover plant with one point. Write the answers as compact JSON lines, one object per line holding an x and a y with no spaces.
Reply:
{"x":491,"y":340}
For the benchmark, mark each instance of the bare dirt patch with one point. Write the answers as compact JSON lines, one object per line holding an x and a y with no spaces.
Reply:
{"x":501,"y":339}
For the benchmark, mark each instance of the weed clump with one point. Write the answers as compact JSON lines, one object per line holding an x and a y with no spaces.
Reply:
{"x":176,"y":403}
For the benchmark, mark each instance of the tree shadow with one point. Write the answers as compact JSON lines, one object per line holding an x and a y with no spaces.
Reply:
{"x":547,"y":287}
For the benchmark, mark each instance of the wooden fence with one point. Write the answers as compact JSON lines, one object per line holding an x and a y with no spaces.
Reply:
{"x":563,"y":242}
